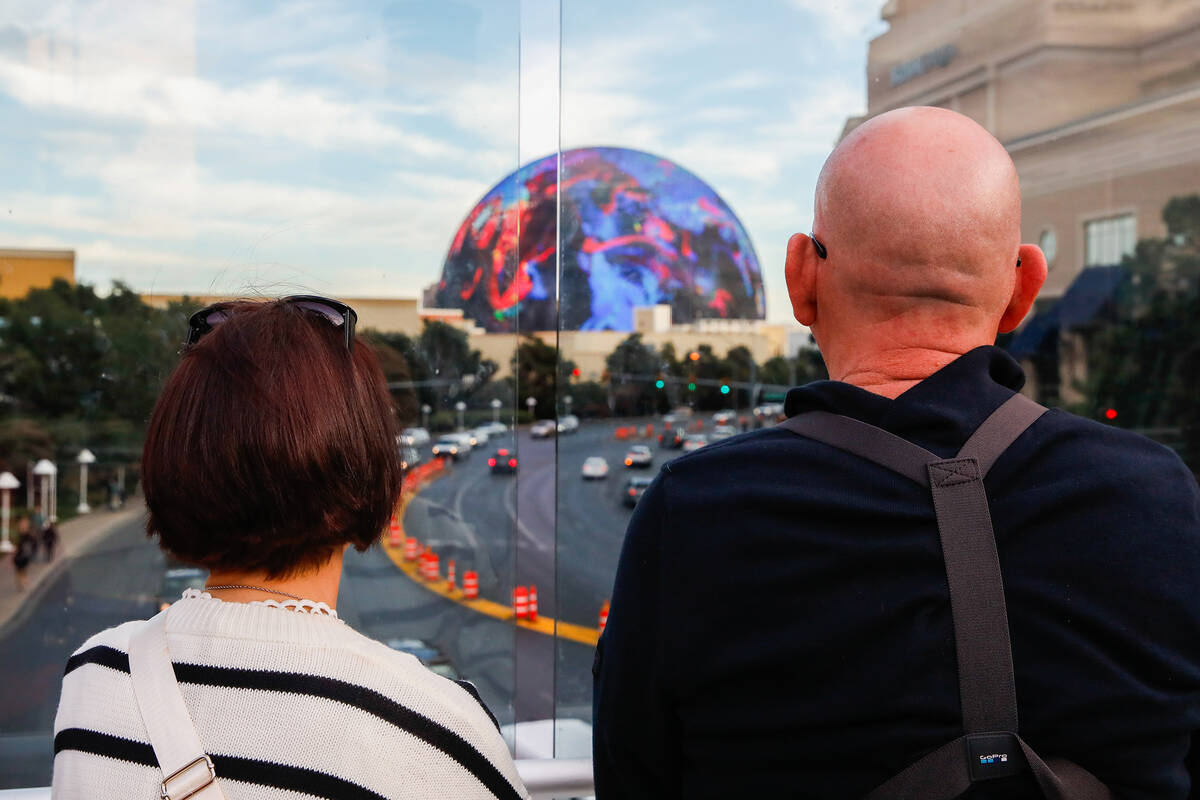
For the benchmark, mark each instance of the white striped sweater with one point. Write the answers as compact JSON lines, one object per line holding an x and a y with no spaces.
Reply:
{"x":289,"y":706}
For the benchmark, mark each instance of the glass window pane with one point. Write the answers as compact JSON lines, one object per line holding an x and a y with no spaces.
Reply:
{"x":163,"y":157}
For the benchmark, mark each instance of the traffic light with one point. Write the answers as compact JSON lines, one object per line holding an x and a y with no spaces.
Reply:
{"x":694,"y":355}
{"x":575,"y":373}
{"x":660,"y":383}
{"x":1110,"y":414}
{"x":692,"y":386}
{"x":724,"y":388}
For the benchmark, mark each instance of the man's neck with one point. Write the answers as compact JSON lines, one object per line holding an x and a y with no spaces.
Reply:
{"x":891,"y":372}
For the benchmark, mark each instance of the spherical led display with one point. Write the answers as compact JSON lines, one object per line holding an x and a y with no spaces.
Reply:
{"x":637,"y":230}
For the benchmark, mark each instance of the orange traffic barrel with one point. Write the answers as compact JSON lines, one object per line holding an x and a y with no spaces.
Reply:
{"x":450,"y":573}
{"x":533,"y":603}
{"x":603,"y":616}
{"x":521,"y":602}
{"x":471,"y":584}
{"x":649,"y":431}
{"x":412,"y":548}
{"x":395,"y":539}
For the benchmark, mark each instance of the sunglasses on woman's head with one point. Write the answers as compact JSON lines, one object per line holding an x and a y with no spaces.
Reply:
{"x":339,"y":315}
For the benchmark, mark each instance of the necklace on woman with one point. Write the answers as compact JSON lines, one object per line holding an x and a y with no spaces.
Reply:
{"x":295,"y":603}
{"x":255,"y":588}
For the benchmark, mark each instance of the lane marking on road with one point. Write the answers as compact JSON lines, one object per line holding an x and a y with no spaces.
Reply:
{"x":544,"y":625}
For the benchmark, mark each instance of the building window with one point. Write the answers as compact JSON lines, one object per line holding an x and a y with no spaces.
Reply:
{"x":1109,"y":240}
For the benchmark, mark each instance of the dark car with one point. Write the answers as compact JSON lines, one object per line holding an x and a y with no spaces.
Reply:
{"x":503,"y":460}
{"x":671,"y":439}
{"x":634,"y":489}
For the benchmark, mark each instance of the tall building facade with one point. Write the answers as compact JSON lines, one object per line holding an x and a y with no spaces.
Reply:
{"x":22,"y":270}
{"x":1098,"y":102}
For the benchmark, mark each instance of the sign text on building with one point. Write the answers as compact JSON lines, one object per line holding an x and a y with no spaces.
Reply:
{"x":906,"y":71}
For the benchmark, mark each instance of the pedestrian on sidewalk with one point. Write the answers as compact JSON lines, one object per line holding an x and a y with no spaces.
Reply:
{"x":49,"y":539}
{"x":24,"y":554}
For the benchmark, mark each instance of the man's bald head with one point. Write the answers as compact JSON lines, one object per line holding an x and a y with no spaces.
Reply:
{"x":920,"y":211}
{"x":927,"y":203}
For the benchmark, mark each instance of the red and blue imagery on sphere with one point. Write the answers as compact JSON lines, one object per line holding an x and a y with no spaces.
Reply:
{"x":638,"y":230}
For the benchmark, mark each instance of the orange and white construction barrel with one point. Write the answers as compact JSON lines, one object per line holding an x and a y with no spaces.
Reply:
{"x":395,"y":538}
{"x":533,"y":609}
{"x":521,"y":602}
{"x":471,"y":584}
{"x":603,"y":616}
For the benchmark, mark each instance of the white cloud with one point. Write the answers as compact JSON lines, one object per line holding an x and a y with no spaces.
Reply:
{"x":855,"y":20}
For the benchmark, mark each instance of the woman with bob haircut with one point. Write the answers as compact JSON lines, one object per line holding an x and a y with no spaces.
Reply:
{"x":271,"y":449}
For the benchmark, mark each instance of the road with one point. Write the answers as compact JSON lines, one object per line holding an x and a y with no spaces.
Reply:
{"x":542,"y":524}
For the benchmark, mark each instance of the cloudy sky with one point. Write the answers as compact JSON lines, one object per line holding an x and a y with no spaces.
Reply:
{"x":236,"y":147}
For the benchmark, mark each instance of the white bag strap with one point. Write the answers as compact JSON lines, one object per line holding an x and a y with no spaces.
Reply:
{"x":187,"y":770}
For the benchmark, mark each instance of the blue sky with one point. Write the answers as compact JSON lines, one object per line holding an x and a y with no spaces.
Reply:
{"x":335,"y":147}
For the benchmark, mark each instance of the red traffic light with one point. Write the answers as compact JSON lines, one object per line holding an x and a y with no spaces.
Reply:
{"x":575,"y":373}
{"x":1110,"y":413}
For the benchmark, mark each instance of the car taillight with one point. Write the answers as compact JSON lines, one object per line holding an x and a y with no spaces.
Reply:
{"x":512,"y":462}
{"x":491,"y":462}
{"x":629,"y":462}
{"x":633,"y":492}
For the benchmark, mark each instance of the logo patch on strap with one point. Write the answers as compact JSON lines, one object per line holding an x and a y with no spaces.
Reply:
{"x":994,"y":755}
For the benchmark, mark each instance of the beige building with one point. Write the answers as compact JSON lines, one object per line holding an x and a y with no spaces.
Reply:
{"x":1098,"y":101}
{"x":22,"y":270}
{"x":387,"y":314}
{"x":589,"y":349}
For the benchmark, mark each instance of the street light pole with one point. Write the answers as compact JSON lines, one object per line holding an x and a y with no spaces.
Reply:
{"x":8,"y":482}
{"x":567,"y":400}
{"x":46,"y":470}
{"x":460,"y":407}
{"x":84,"y":458}
{"x":530,"y":403}
{"x":425,"y":409}
{"x":496,"y":410}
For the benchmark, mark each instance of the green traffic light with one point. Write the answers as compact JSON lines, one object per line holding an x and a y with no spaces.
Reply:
{"x":660,"y":384}
{"x":691,"y":387}
{"x":724,"y":389}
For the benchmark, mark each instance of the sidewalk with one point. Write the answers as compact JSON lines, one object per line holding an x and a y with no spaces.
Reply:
{"x":75,"y":536}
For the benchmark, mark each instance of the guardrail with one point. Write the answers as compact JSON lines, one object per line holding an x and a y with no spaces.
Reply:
{"x":544,"y":778}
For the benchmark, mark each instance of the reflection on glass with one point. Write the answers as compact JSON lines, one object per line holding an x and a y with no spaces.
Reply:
{"x":162,"y":159}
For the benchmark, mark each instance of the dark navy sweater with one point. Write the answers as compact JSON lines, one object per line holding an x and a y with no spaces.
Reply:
{"x":780,"y":622}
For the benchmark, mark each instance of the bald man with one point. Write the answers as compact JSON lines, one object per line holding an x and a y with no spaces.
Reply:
{"x":780,"y":622}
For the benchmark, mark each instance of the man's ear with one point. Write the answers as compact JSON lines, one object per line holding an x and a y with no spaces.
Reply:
{"x":1030,"y":277}
{"x":800,"y":270}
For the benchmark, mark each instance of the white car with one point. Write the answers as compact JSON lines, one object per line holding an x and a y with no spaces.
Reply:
{"x":414,"y":437}
{"x":722,"y":432}
{"x":481,"y":437}
{"x":543,"y":429}
{"x":595,"y":468}
{"x":449,"y":448}
{"x":493,"y":428}
{"x":568,"y":424}
{"x":639,"y":456}
{"x":466,"y":442}
{"x":694,"y":442}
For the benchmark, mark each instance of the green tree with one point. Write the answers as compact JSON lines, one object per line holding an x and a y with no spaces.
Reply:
{"x":1146,"y":364}
{"x":633,"y":367}
{"x":539,"y":373}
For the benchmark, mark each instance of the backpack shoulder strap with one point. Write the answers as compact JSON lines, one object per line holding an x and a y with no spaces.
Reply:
{"x":187,"y":770}
{"x":864,"y":440}
{"x":990,"y":747}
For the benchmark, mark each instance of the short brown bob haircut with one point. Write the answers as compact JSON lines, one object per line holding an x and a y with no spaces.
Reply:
{"x":271,"y":445}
